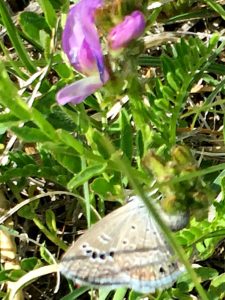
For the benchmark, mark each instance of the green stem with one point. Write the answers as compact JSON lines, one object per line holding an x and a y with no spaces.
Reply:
{"x":86,"y":195}
{"x":179,"y":102}
{"x":15,"y":39}
{"x":217,"y":7}
{"x":12,"y":63}
{"x":208,"y":107}
{"x":199,"y":173}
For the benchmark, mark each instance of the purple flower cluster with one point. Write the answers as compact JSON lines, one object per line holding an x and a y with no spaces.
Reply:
{"x":80,"y":42}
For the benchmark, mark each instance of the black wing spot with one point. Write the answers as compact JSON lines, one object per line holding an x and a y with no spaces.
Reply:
{"x":94,"y":254}
{"x":133,"y":227}
{"x":88,"y":251}
{"x":111,"y":253}
{"x":102,"y":256}
{"x":161,"y":270}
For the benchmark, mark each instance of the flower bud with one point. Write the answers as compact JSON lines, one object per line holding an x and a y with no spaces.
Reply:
{"x":131,"y":28}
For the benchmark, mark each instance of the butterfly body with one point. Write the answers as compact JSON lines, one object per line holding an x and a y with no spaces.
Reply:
{"x":125,"y":248}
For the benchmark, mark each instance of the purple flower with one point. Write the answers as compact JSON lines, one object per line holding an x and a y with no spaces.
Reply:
{"x":131,"y":28}
{"x":80,"y":42}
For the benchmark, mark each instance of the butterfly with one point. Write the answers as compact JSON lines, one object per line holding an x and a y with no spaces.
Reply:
{"x":125,"y":249}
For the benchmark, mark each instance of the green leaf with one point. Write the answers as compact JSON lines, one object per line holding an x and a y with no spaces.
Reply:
{"x":168,"y":94}
{"x":26,"y":171}
{"x":28,"y":211}
{"x":46,"y":42}
{"x":62,"y":117}
{"x":120,"y":294}
{"x":59,"y":4}
{"x":217,"y":287}
{"x":135,"y":295}
{"x":11,"y":275}
{"x":101,"y":187}
{"x":28,"y":264}
{"x":71,"y":162}
{"x":206,"y":273}
{"x":104,"y":293}
{"x":30,"y":135}
{"x":188,"y":235}
{"x":185,"y":283}
{"x":9,"y":97}
{"x":139,"y":144}
{"x":7,"y":120}
{"x":45,"y":254}
{"x":217,"y":7}
{"x":173,"y":84}
{"x":21,"y":159}
{"x":49,"y":12}
{"x":69,"y":140}
{"x":126,"y":134}
{"x":62,"y":69}
{"x":50,"y":220}
{"x":44,"y":125}
{"x":99,"y":142}
{"x":4,"y":275}
{"x":179,"y":294}
{"x":85,"y":175}
{"x":75,"y":294}
{"x":32,"y":25}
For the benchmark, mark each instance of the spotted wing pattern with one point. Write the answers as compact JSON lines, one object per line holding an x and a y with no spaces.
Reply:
{"x":125,"y":248}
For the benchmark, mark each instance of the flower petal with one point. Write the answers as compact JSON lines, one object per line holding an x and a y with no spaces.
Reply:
{"x":79,"y":90}
{"x":80,"y":38}
{"x":131,"y":28}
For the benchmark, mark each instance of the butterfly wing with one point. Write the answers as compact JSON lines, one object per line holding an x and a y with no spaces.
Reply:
{"x":125,"y":248}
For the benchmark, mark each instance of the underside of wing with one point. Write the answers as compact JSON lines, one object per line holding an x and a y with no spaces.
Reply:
{"x":126,"y":248}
